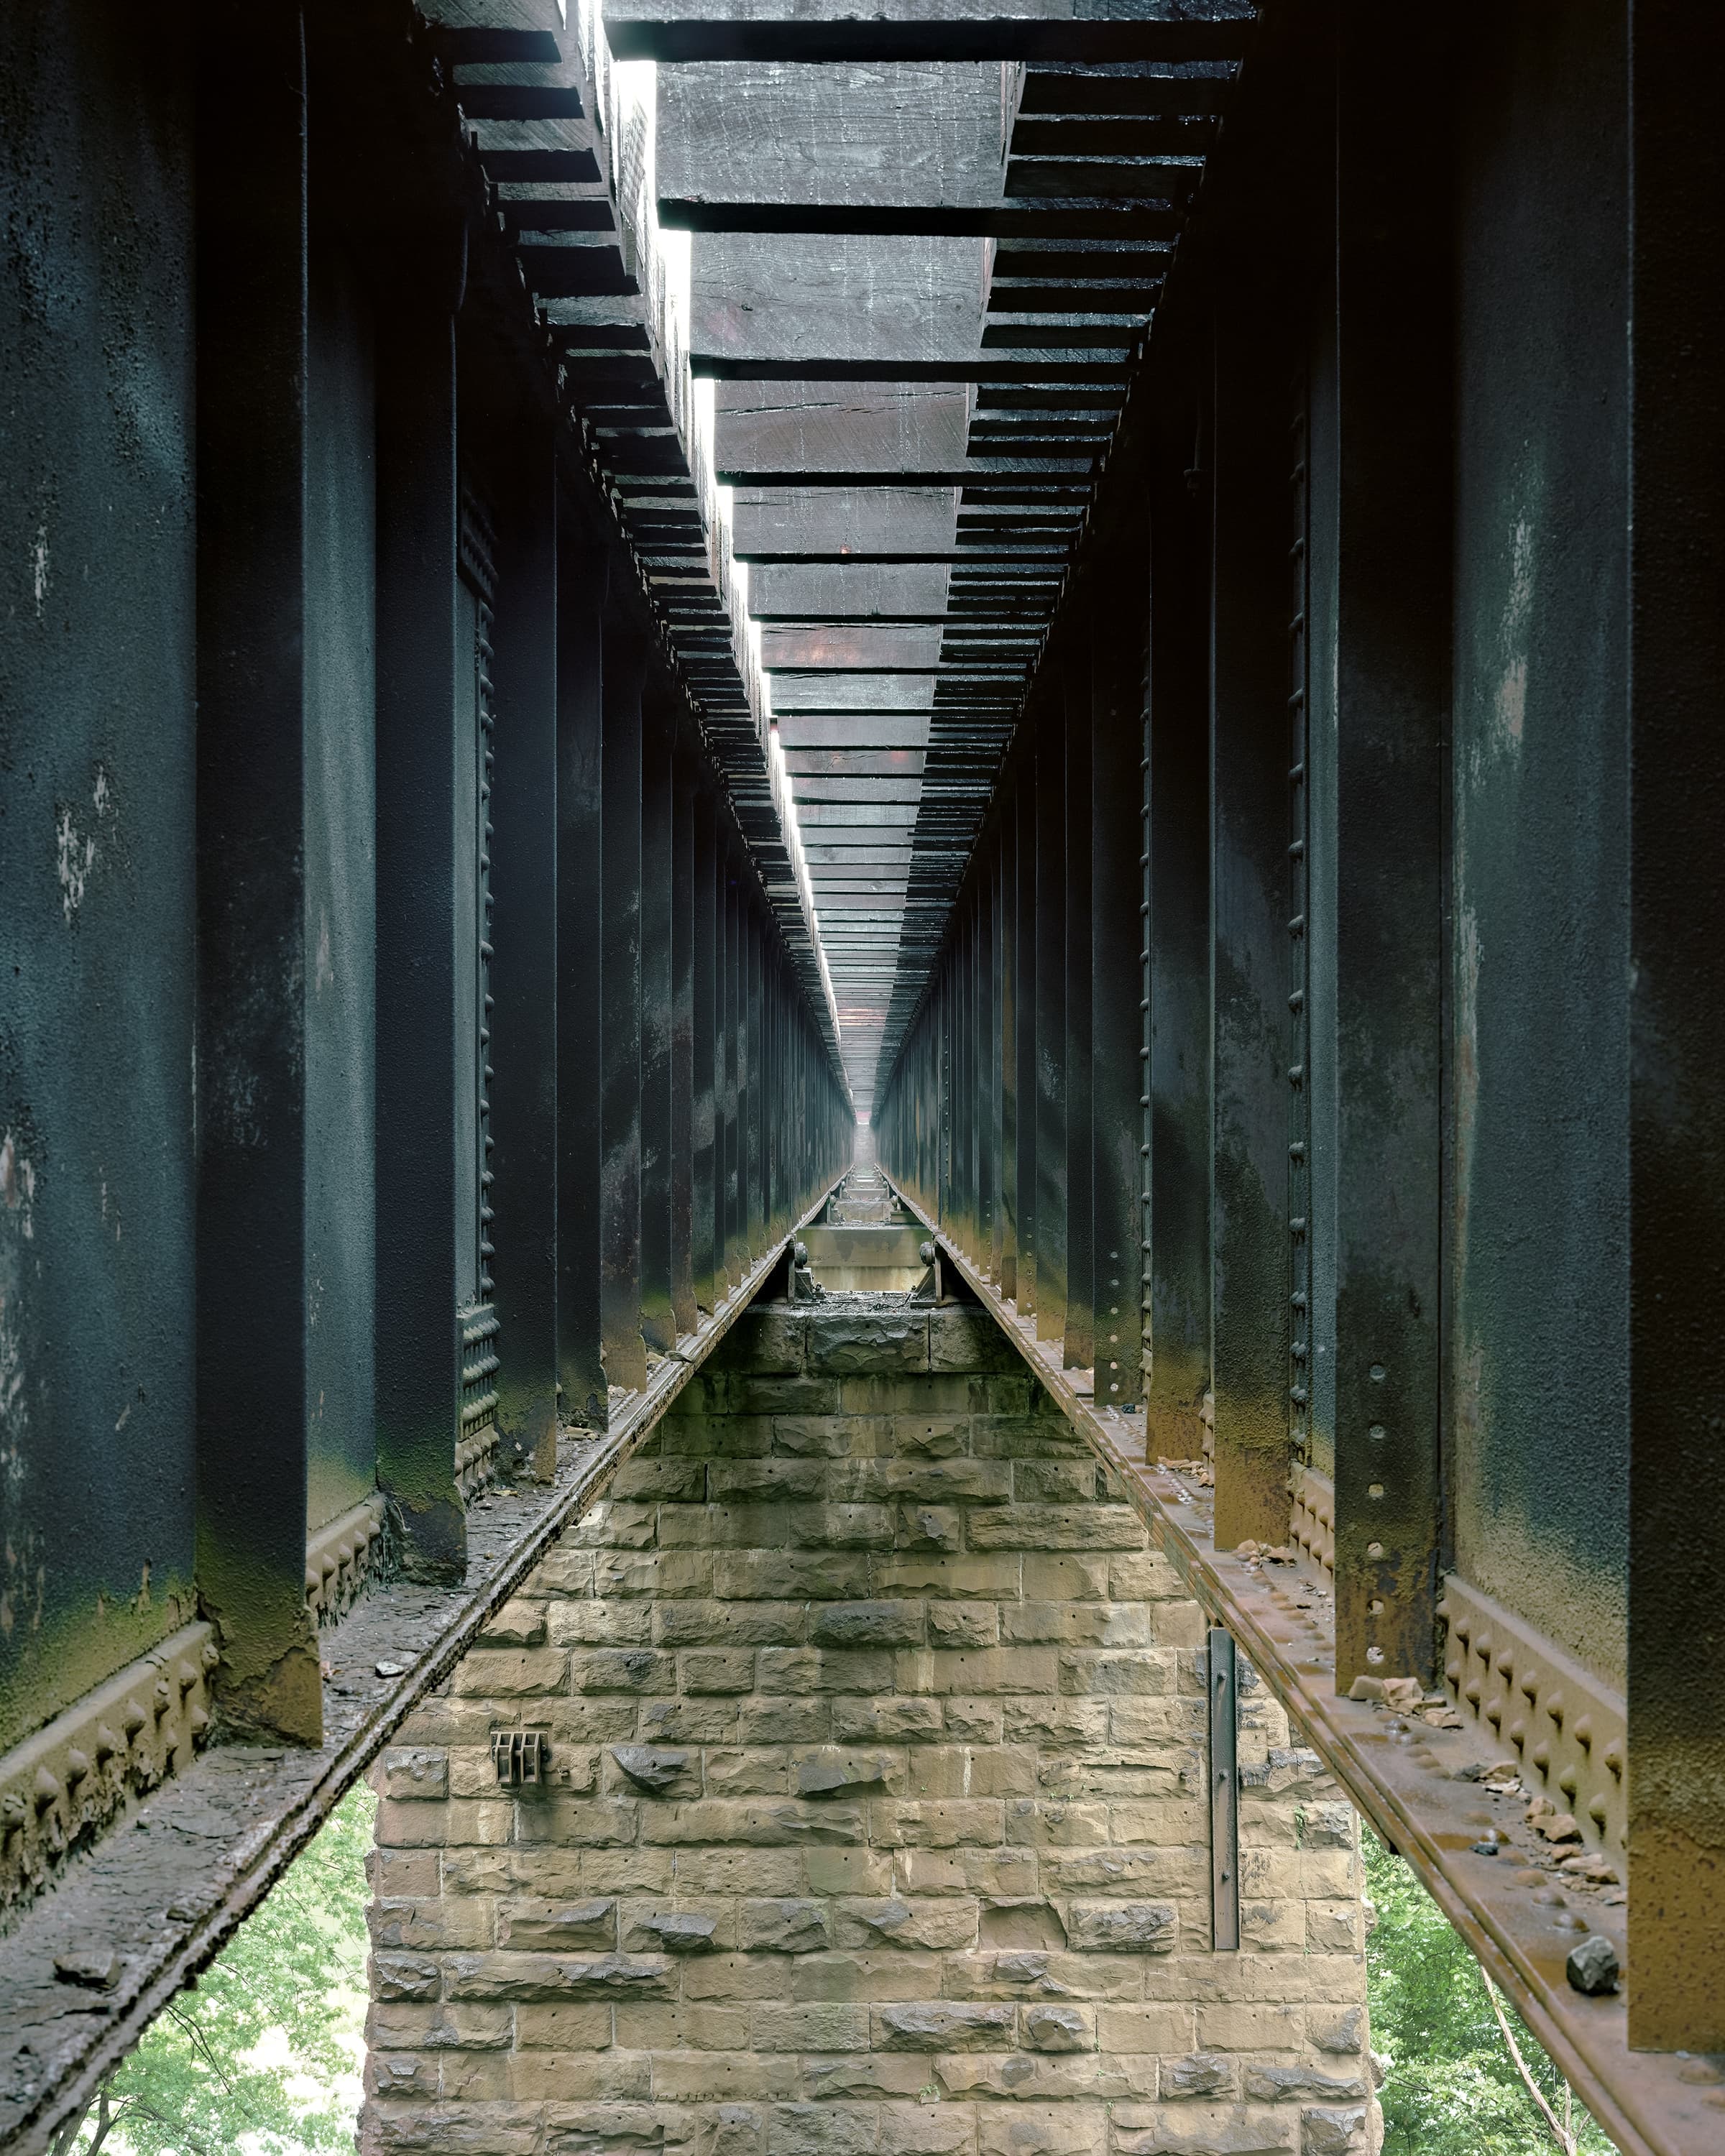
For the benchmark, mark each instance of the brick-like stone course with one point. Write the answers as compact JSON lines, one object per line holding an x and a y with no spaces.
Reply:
{"x":876,"y":1817}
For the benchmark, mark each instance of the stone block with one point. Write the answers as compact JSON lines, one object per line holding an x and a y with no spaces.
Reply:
{"x":580,"y":2076}
{"x":1100,"y":1674}
{"x":766,"y":1481}
{"x":869,"y":1345}
{"x":785,"y":1927}
{"x":1122,"y":1927}
{"x":624,"y":1669}
{"x":943,"y":2025}
{"x":679,"y":2028}
{"x":723,"y":1437}
{"x":1043,"y":1527}
{"x":1340,"y":2031}
{"x":401,"y":1978}
{"x":1053,"y":1481}
{"x":961,"y":1339}
{"x":758,"y":1771}
{"x":415,"y":1772}
{"x":848,"y":1871}
{"x":766,"y":1340}
{"x":1056,"y":1825}
{"x":710,"y":1719}
{"x":1146,"y":1576}
{"x":760,"y":1822}
{"x":832,"y":1772}
{"x":732,"y":1980}
{"x":665,"y":1480}
{"x":706,"y":2077}
{"x":825,"y":1669}
{"x":437,"y":2129}
{"x":935,"y":1824}
{"x":929,"y":1527}
{"x":867,"y":1624}
{"x":733,"y":1624}
{"x":789,"y":1575}
{"x":550,"y":1926}
{"x":831,"y":1437}
{"x":584,"y":2028}
{"x":511,"y":1673}
{"x":613,"y":1525}
{"x":826,"y":2025}
{"x":976,"y":1770}
{"x":741,"y":1526}
{"x":653,"y":1928}
{"x":1199,"y":2074}
{"x":518,"y":1624}
{"x":973,"y":1721}
{"x":810,"y":2129}
{"x":859,"y":1720}
{"x":935,"y":1925}
{"x":1067,"y":1578}
{"x":717,"y":1669}
{"x":947,"y":1578}
{"x":1032,"y":2129}
{"x":582,"y":1822}
{"x":773,"y":1721}
{"x":927,"y":2129}
{"x":861,"y":2074}
{"x":1335,"y":2132}
{"x":516,"y":1976}
{"x":930,"y":1437}
{"x":964,"y":1624}
{"x":979,"y":1671}
{"x":1284,"y":2084}
{"x":1202,"y":2130}
{"x":1046,"y":2027}
{"x":890,"y":1975}
{"x":1024,"y":2076}
{"x":840,"y":1527}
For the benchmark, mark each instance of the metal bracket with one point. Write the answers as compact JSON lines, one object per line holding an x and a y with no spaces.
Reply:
{"x":1225,"y":1791}
{"x":520,"y":1757}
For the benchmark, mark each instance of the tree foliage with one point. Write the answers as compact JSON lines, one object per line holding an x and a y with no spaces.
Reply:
{"x":262,"y":2056}
{"x":1453,"y":2089}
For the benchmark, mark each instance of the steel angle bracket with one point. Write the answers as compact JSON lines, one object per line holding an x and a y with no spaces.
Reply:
{"x":1411,"y":1781}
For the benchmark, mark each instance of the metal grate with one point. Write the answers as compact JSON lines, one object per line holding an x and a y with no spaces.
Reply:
{"x":1299,"y":945}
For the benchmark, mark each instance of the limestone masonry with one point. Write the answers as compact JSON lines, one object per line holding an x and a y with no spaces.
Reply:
{"x":874,"y":1817}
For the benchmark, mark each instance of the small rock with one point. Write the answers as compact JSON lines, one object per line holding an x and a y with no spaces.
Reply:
{"x":1592,"y":1966}
{"x":1557,"y":1826}
{"x":1279,"y":1554}
{"x":392,"y":1669}
{"x":96,"y":1969}
{"x":1370,"y":1689}
{"x":1485,"y":1848}
{"x":1402,"y":1694}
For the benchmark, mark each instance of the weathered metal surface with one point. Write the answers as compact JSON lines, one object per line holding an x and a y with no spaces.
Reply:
{"x":1391,"y":666}
{"x":1421,"y":1787}
{"x":1081,"y":1327}
{"x":256,"y":955}
{"x":1223,"y":1663}
{"x":624,"y":669}
{"x":97,"y":849}
{"x":1677,"y":1136}
{"x":198,"y":1853}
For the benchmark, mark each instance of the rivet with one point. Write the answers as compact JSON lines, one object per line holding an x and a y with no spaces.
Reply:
{"x":77,"y":1765}
{"x":133,"y":1718}
{"x":44,"y":1788}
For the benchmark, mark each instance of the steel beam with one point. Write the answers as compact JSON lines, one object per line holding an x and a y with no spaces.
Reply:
{"x":624,"y":673}
{"x":254,"y":965}
{"x":658,"y":1324}
{"x":1080,"y":717}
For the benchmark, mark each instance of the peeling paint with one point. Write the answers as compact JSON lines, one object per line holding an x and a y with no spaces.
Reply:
{"x":38,"y":568}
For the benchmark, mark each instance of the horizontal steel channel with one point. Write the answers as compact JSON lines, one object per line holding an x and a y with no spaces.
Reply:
{"x":1405,"y":1777}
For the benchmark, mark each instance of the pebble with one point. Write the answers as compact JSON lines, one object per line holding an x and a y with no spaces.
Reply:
{"x":1592,"y":1967}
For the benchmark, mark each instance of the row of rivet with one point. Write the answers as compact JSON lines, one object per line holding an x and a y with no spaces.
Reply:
{"x":1567,"y":1729}
{"x":341,"y":1559}
{"x":60,"y":1788}
{"x":1313,"y":1528}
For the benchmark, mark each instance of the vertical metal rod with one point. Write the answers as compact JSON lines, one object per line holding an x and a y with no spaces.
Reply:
{"x":419,"y":1361}
{"x":685,"y":752}
{"x":1005,"y":1049}
{"x":521,"y":834}
{"x":1080,"y":1349}
{"x":658,"y":1324}
{"x":1051,"y":1017}
{"x":625,"y":663}
{"x":253,"y":1277}
{"x":704,"y":915}
{"x":1223,"y":1667}
{"x":1119,"y":640}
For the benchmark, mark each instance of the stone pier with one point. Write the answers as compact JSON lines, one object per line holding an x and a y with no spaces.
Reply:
{"x":872,"y":1815}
